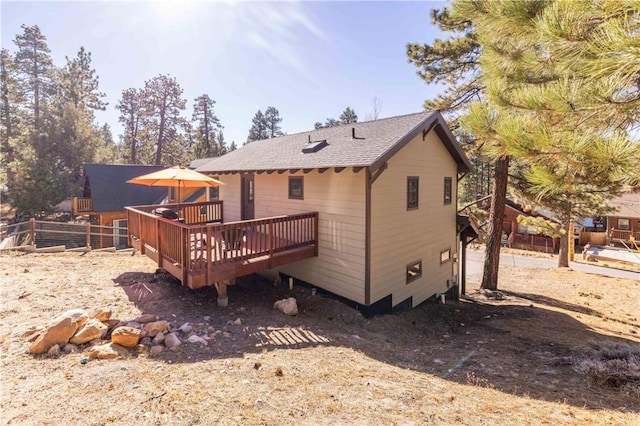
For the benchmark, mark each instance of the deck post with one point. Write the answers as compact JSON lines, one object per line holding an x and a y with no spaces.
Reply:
{"x":221,"y":288}
{"x":88,"y":244}
{"x":32,"y":232}
{"x":316,"y":228}
{"x":158,"y":243}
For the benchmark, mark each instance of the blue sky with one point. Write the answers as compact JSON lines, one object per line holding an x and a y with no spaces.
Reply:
{"x":308,"y":59}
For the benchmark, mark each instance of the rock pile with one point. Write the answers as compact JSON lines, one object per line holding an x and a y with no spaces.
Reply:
{"x":98,"y":336}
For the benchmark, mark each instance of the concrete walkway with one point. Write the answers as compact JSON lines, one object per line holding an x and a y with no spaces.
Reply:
{"x":613,"y":253}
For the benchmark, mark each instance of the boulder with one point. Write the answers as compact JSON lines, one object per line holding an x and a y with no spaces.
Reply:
{"x":287,"y":306}
{"x":186,"y":328}
{"x":196,"y":339}
{"x":126,"y":336}
{"x":80,"y":316}
{"x":56,"y":333}
{"x":28,"y":332}
{"x":146,"y":318}
{"x":141,"y":349}
{"x":69,"y":348}
{"x":106,"y":351}
{"x":93,"y":329}
{"x":102,"y":314}
{"x":155,"y":327}
{"x":134,"y":324}
{"x":113,"y":323}
{"x":156,"y":350}
{"x":171,"y":340}
{"x":54,"y":351}
{"x":158,"y":339}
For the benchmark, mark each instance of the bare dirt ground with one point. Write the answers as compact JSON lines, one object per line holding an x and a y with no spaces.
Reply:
{"x":478,"y":362}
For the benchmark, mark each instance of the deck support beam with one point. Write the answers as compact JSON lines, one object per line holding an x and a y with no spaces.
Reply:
{"x":221,"y":288}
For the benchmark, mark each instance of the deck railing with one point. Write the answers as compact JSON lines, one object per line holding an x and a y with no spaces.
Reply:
{"x":619,"y":234}
{"x":81,"y":205}
{"x":534,"y":242}
{"x":201,"y":254}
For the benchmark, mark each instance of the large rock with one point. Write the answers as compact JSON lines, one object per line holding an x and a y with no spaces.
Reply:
{"x":146,"y":318}
{"x":287,"y":306}
{"x":158,"y":339}
{"x":93,"y":329}
{"x":153,"y":328}
{"x":126,"y":336}
{"x":80,"y":316}
{"x":106,"y":351}
{"x":54,"y":351}
{"x":156,"y":350}
{"x":57,"y":333}
{"x":171,"y":341}
{"x":197,"y":339}
{"x":102,"y":314}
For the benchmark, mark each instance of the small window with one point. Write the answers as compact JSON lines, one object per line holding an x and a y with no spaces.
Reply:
{"x":172,"y":193}
{"x":412,"y":192}
{"x":214,"y":192}
{"x":447,"y":190}
{"x":623,"y":224}
{"x":296,"y":188}
{"x":445,"y":256}
{"x":414,"y":271}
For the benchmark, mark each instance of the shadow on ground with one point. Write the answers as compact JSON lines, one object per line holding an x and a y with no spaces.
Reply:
{"x":523,"y":350}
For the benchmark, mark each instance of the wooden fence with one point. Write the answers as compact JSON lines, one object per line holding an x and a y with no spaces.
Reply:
{"x":41,"y":235}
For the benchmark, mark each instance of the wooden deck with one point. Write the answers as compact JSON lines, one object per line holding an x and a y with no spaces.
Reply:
{"x":629,"y":239}
{"x":201,"y":251}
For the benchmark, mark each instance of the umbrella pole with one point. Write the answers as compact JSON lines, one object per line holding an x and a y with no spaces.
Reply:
{"x":179,"y":199}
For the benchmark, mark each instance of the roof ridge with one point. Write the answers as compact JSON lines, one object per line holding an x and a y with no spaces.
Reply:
{"x":347,"y":124}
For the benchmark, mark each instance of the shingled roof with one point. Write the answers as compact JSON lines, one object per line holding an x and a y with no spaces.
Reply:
{"x":368,"y":143}
{"x":110,"y":191}
{"x":628,"y":204}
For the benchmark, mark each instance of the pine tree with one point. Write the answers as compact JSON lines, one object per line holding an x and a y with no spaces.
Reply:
{"x":348,"y":116}
{"x":272,"y":122}
{"x":207,"y":124}
{"x":454,"y":62}
{"x":566,"y":127}
{"x":10,"y":99}
{"x":36,"y":71}
{"x":131,"y":116}
{"x":163,"y":106}
{"x":258,"y":129}
{"x":79,"y":84}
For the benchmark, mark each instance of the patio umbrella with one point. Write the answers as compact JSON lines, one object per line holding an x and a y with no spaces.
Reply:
{"x":177,"y":177}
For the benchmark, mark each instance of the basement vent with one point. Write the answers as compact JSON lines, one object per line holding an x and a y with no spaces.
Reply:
{"x":314,"y":146}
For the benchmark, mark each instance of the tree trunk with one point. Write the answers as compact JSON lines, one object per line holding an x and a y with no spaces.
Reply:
{"x":563,"y":255}
{"x":160,"y":140}
{"x":496,"y":216}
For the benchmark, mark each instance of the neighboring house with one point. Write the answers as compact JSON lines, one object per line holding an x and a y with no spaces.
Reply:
{"x":106,"y":192}
{"x":621,"y":227}
{"x":386,"y":196}
{"x":525,"y":237}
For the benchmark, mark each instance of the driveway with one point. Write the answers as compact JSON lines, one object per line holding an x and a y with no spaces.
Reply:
{"x":475,"y":260}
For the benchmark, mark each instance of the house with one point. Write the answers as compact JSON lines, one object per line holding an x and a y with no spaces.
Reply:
{"x":621,"y":227}
{"x":385,"y":195}
{"x":525,"y":237}
{"x":106,"y":194}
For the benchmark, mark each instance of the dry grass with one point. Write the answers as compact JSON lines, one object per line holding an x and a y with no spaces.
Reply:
{"x":477,"y":362}
{"x":613,"y":365}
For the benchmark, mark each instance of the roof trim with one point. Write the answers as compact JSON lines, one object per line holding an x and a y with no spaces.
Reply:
{"x":437,"y":122}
